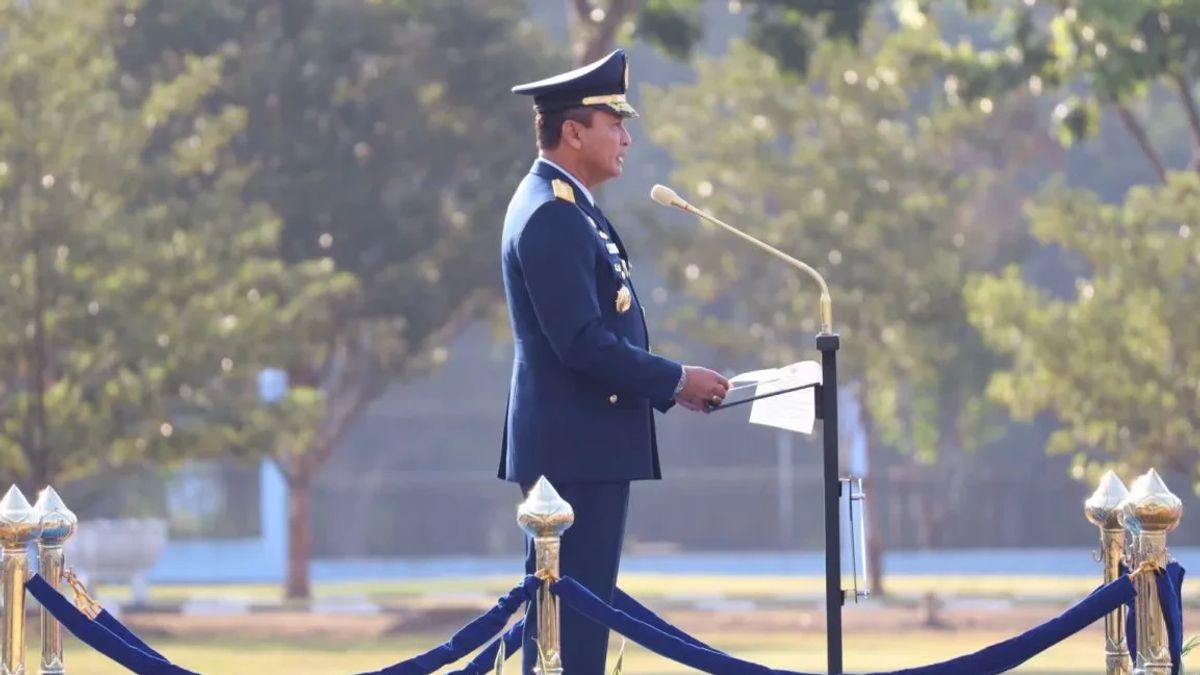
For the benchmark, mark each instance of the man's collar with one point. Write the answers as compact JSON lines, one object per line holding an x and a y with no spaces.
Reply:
{"x":578,"y":183}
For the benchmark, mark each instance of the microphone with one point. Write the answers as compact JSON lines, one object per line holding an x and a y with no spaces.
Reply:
{"x":668,"y":197}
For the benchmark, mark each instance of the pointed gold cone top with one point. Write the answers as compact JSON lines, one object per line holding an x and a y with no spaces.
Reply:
{"x":1151,"y":505}
{"x":544,"y":513}
{"x":56,"y":520}
{"x":18,"y":522}
{"x":1103,"y":508}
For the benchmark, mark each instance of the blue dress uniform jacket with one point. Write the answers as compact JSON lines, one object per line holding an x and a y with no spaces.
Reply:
{"x":584,"y":380}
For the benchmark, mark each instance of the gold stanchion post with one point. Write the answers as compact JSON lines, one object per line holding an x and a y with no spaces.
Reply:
{"x":1149,"y":512}
{"x":57,"y":525}
{"x":1103,"y":509}
{"x":545,"y":516}
{"x":18,"y":526}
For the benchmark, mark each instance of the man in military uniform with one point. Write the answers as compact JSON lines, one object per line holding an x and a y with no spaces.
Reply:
{"x":584,"y":380}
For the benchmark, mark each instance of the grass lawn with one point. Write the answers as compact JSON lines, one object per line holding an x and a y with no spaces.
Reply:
{"x":867,"y":650}
{"x":864,"y":653}
{"x":647,"y":586}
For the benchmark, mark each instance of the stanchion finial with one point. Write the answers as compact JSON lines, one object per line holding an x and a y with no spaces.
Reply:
{"x":1103,"y":509}
{"x":544,"y":513}
{"x":1149,"y":512}
{"x":17,"y":520}
{"x":18,"y":525}
{"x":56,"y":520}
{"x":57,"y":525}
{"x":544,"y":516}
{"x":1151,"y":506}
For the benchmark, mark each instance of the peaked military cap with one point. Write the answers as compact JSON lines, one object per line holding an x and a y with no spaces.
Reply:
{"x":602,"y":83}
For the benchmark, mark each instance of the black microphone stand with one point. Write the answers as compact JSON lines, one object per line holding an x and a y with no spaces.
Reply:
{"x":827,"y":412}
{"x":826,"y":399}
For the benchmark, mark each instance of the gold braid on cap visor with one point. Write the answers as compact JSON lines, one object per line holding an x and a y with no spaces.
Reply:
{"x":615,"y":101}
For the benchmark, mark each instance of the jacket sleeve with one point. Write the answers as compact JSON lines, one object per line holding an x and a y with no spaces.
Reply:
{"x":557,"y":253}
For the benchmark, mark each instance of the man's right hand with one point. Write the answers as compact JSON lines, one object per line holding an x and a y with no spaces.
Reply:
{"x":703,"y":389}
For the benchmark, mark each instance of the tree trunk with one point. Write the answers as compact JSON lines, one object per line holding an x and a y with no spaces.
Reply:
{"x":1193,"y":113}
{"x":1135,"y":129}
{"x":36,"y":448}
{"x":591,"y":39}
{"x":951,"y":456}
{"x":300,"y":537}
{"x":874,"y":539}
{"x":350,"y":397}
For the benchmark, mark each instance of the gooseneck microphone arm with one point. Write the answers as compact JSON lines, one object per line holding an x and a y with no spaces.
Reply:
{"x":828,"y":343}
{"x":668,"y":197}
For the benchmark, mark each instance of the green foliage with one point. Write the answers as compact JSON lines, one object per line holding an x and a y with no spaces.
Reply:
{"x":1115,"y":362}
{"x":1076,"y":119}
{"x":849,"y":164}
{"x":1111,"y":52}
{"x":619,"y":666}
{"x":1118,"y":362}
{"x":543,"y":662}
{"x":675,"y":26}
{"x":787,"y":30}
{"x":140,"y":291}
{"x":376,"y":133}
{"x":498,"y":666}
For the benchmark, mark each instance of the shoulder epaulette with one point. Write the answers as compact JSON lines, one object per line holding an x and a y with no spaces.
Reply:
{"x":563,"y":190}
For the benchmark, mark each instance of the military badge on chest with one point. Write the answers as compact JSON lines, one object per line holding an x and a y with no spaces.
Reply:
{"x":624,"y":296}
{"x":624,"y":299}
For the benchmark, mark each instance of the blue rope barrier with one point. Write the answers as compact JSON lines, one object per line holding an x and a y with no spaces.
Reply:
{"x":626,"y":603}
{"x":117,"y":628}
{"x":1130,"y":617}
{"x":665,"y":644}
{"x":485,"y":661}
{"x":1007,"y":655}
{"x":988,"y":661}
{"x":1176,"y":572}
{"x":135,"y":656}
{"x":469,"y":637}
{"x":630,"y":618}
{"x":1170,"y":598}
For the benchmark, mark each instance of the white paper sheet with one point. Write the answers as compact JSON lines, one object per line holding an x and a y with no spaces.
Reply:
{"x":794,"y":411}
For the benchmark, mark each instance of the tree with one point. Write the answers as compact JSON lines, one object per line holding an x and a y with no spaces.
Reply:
{"x":787,"y":30}
{"x":1116,"y":50}
{"x":378,"y":132}
{"x":1119,"y":362}
{"x":1114,"y":361}
{"x":852,"y":164}
{"x":137,"y":282}
{"x":1097,"y":56}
